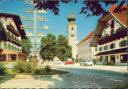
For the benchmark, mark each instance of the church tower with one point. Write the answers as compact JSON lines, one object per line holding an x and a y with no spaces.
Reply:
{"x":72,"y":34}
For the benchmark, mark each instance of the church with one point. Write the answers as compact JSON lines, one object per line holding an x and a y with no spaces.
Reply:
{"x":72,"y":34}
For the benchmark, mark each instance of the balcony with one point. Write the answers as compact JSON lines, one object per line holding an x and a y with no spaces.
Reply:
{"x":14,"y":40}
{"x":121,"y":33}
{"x":12,"y":29}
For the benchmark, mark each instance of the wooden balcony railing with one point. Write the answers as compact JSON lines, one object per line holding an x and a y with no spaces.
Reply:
{"x":120,"y":34}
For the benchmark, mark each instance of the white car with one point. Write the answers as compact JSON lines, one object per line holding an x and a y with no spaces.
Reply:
{"x":86,"y":63}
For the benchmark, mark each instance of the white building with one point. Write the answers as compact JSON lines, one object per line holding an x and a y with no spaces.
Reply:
{"x":11,"y":35}
{"x":111,"y":36}
{"x":72,"y":34}
{"x":85,"y":51}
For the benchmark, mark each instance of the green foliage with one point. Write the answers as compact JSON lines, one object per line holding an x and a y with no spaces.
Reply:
{"x":38,"y":71}
{"x":63,"y":49}
{"x":45,"y":70}
{"x":26,"y":45}
{"x":95,"y":61}
{"x":3,"y":69}
{"x":48,"y":47}
{"x":52,"y":46}
{"x":24,"y":67}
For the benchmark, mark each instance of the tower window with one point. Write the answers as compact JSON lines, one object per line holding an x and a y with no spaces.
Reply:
{"x":72,"y":35}
{"x":72,"y":28}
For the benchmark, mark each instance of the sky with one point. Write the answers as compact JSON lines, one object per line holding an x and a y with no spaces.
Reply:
{"x":57,"y":23}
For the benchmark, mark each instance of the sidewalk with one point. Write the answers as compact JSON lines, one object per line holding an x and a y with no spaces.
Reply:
{"x":122,"y":69}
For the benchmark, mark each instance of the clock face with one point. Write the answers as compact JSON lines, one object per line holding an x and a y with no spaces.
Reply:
{"x":72,"y":35}
{"x":72,"y":28}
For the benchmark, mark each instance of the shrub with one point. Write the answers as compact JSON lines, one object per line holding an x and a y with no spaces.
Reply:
{"x":28,"y":67}
{"x":48,"y":71}
{"x":38,"y":71}
{"x":24,"y":67}
{"x":3,"y":69}
{"x":94,"y":61}
{"x":47,"y":68}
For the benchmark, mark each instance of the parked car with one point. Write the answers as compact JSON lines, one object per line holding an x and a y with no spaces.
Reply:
{"x":86,"y":63}
{"x":69,"y":62}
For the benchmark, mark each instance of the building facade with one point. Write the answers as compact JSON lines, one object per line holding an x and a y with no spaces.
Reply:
{"x":11,"y":34}
{"x":72,"y":34}
{"x":85,"y":51}
{"x":111,"y":37}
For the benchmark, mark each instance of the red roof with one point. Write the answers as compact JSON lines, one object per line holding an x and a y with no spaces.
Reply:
{"x":121,"y":15}
{"x":87,"y":37}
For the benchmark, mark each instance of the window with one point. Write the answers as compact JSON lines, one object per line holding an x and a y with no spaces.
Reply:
{"x":105,"y":47}
{"x":118,"y":30}
{"x":95,"y":49}
{"x":106,"y":58}
{"x":112,"y":31}
{"x":112,"y":46}
{"x":100,"y":49}
{"x":72,"y":28}
{"x":123,"y":43}
{"x":112,"y":24}
{"x":107,"y":25}
{"x":106,"y":35}
{"x":124,"y":58}
{"x":72,"y":35}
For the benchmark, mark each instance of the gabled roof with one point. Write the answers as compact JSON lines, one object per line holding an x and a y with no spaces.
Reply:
{"x":17,"y":21}
{"x":87,"y":37}
{"x":120,"y":15}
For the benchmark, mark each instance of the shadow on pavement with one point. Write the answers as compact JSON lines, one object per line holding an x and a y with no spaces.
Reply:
{"x":6,"y":78}
{"x":83,"y":78}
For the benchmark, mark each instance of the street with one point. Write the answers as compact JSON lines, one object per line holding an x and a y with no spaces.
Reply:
{"x":78,"y":77}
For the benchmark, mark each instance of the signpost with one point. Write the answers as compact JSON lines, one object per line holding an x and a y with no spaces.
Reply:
{"x":36,"y":18}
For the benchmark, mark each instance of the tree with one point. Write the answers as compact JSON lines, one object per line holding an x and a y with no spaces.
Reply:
{"x":26,"y":45}
{"x":48,"y":47}
{"x":51,"y":47}
{"x":63,"y":49}
{"x":90,"y":7}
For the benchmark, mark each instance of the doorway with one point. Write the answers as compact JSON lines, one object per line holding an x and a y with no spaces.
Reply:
{"x":112,"y":58}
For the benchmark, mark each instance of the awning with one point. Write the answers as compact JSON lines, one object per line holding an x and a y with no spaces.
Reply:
{"x":122,"y":50}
